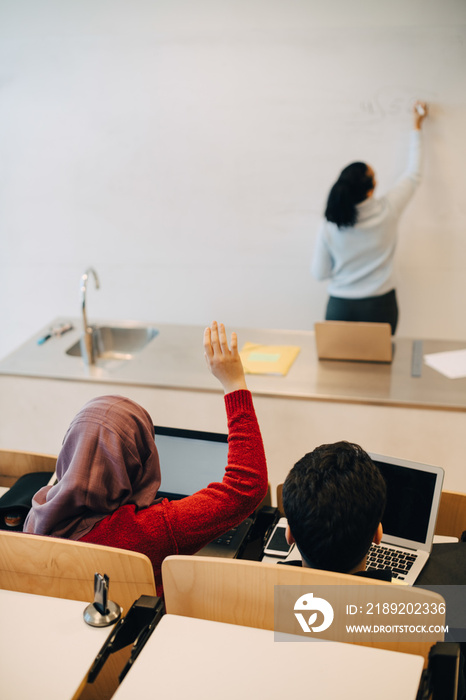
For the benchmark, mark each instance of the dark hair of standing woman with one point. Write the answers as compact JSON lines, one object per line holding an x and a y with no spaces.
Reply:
{"x":350,"y":189}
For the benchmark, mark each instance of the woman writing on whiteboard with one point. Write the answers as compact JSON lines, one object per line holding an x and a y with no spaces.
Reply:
{"x":356,"y":241}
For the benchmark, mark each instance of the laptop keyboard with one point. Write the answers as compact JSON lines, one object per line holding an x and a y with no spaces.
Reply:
{"x":227,"y":538}
{"x":229,"y":544}
{"x":381,"y":557}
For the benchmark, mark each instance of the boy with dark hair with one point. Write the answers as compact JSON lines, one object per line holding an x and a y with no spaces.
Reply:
{"x":334,"y":499}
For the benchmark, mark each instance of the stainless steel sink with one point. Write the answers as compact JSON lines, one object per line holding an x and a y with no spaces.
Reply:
{"x":116,"y":342}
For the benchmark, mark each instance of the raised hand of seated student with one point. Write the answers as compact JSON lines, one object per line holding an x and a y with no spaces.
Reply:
{"x":224,"y":363}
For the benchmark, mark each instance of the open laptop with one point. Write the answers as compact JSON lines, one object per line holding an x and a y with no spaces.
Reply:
{"x":190,"y":460}
{"x":348,"y":340}
{"x":413,"y":497}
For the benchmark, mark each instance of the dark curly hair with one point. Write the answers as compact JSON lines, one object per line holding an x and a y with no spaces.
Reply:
{"x":334,"y":499}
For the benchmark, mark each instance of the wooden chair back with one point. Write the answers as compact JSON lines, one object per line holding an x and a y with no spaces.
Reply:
{"x":14,"y":464}
{"x":280,"y":498}
{"x":243,"y":593}
{"x":65,"y":569}
{"x":267,"y":500}
{"x":451,"y":520}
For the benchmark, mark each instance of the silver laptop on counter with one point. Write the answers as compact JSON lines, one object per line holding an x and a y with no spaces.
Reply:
{"x":354,"y":341}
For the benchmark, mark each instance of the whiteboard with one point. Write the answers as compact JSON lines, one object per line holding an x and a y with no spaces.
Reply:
{"x":186,"y":150}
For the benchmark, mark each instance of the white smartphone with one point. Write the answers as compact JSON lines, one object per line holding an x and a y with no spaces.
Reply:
{"x":276,"y":545}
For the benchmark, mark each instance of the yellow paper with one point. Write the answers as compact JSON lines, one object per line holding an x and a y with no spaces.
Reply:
{"x":268,"y":359}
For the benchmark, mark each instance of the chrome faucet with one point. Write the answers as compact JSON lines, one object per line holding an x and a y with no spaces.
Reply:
{"x":87,"y":344}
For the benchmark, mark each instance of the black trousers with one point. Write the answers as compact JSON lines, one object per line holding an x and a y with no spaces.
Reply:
{"x":380,"y":309}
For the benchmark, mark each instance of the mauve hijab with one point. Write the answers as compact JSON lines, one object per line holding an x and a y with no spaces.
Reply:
{"x":108,"y":459}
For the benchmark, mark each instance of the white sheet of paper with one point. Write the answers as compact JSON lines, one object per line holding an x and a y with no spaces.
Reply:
{"x":452,"y":363}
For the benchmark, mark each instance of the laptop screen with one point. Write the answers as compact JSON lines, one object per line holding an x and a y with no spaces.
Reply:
{"x":189,"y":460}
{"x":413,"y":492}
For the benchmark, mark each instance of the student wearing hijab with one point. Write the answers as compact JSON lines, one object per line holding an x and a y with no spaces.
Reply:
{"x":356,"y":240}
{"x":108,"y":474}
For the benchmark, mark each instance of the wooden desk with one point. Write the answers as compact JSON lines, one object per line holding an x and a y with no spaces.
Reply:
{"x":199,"y":659}
{"x":46,"y":648}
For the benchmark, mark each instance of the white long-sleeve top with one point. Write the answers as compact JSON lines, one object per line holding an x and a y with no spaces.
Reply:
{"x":359,"y":259}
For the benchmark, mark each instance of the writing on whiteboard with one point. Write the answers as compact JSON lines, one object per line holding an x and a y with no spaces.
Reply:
{"x":394,"y":102}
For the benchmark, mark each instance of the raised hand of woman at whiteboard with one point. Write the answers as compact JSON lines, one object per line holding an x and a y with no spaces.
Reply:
{"x":223,"y":362}
{"x":420,"y":113}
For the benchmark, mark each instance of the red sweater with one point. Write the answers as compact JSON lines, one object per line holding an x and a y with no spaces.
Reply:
{"x":183,"y":527}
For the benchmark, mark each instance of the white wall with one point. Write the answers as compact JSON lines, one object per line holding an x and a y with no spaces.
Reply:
{"x":185,"y":148}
